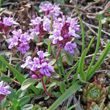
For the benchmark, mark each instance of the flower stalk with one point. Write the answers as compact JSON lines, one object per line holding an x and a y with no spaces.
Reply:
{"x":45,"y":87}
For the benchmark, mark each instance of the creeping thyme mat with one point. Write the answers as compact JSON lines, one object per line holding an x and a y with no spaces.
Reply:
{"x":55,"y":57}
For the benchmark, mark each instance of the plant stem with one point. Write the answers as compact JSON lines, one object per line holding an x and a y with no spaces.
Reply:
{"x":13,"y":54}
{"x":21,"y":56}
{"x":36,"y":47}
{"x":51,"y":30}
{"x":0,"y":3}
{"x":63,"y":69}
{"x":57,"y":56}
{"x":44,"y":87}
{"x":11,"y":78}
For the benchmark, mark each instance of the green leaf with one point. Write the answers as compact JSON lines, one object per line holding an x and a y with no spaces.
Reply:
{"x":14,"y":58}
{"x":96,"y":50}
{"x":80,"y":67}
{"x":99,"y":62}
{"x":73,"y":106}
{"x":11,"y":108}
{"x":52,"y":61}
{"x":78,"y":42}
{"x":51,"y":85}
{"x":55,"y":75}
{"x":27,"y":83}
{"x":46,"y":41}
{"x":27,"y":107}
{"x":65,"y":95}
{"x":18,"y":67}
{"x":15,"y":103}
{"x":108,"y":9}
{"x":69,"y":58}
{"x":3,"y":102}
{"x":6,"y":78}
{"x":20,"y":93}
{"x":12,"y":95}
{"x":39,"y":86}
{"x":2,"y":65}
{"x":62,"y":87}
{"x":57,"y":94}
{"x":82,"y":29}
{"x":36,"y":38}
{"x":24,"y":100}
{"x":72,"y":69}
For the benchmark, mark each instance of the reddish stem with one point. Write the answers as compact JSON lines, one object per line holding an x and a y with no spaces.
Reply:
{"x":21,"y":57}
{"x":16,"y":82}
{"x":36,"y":48}
{"x":13,"y":54}
{"x":57,"y":55}
{"x":45,"y":87}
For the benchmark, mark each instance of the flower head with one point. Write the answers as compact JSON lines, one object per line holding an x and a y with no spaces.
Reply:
{"x":4,"y":89}
{"x":39,"y":66}
{"x":9,"y":21}
{"x":64,"y":30}
{"x":23,"y":47}
{"x":70,"y":47}
{"x":49,"y":9}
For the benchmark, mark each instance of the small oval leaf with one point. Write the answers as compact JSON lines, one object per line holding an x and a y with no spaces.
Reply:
{"x":27,"y":83}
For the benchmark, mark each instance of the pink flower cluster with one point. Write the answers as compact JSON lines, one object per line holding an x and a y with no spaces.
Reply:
{"x":64,"y":30}
{"x":6,"y":24}
{"x":19,"y":40}
{"x":49,"y":9}
{"x":39,"y":66}
{"x":3,"y":90}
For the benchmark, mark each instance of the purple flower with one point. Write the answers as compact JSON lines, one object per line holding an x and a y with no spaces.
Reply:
{"x":39,"y":67}
{"x":34,"y":31}
{"x":9,"y":21}
{"x":41,"y":54}
{"x":25,"y":38}
{"x":36,"y":21}
{"x":4,"y":89}
{"x":45,"y":7}
{"x":34,"y":76}
{"x":56,"y":11}
{"x":13,"y":42}
{"x":46,"y":24}
{"x":17,"y":33}
{"x":36,"y":64}
{"x":28,"y":62}
{"x":49,"y":9}
{"x":23,"y":47}
{"x":70,"y":47}
{"x":56,"y":36}
{"x":45,"y":69}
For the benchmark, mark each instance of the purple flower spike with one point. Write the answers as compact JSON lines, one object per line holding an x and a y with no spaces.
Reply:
{"x":36,"y":21}
{"x":28,"y":62}
{"x":9,"y":21}
{"x":23,"y":47}
{"x":46,"y":69}
{"x":42,"y":54}
{"x":46,"y":24}
{"x":4,"y":89}
{"x":13,"y":42}
{"x":70,"y":46}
